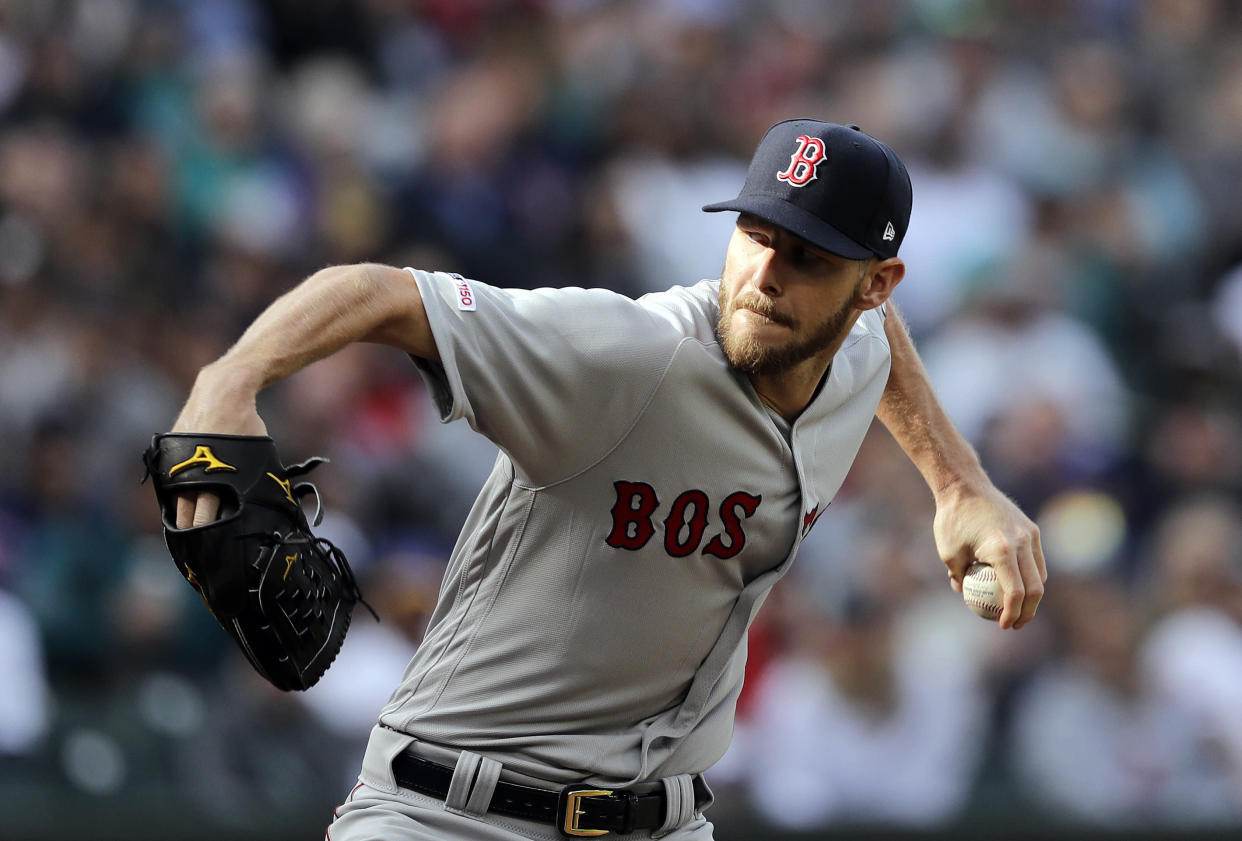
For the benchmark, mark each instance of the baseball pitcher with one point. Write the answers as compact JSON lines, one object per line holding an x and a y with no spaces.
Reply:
{"x":661,"y":460}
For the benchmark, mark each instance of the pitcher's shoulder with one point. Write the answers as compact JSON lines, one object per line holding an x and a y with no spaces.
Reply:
{"x":692,"y":310}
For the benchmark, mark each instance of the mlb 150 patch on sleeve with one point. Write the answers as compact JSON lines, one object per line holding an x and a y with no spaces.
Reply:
{"x":465,"y":295}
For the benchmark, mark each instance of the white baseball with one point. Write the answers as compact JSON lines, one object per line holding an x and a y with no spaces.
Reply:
{"x":981,"y":591}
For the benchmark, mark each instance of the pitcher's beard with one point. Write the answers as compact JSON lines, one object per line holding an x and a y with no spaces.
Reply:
{"x":750,"y":356}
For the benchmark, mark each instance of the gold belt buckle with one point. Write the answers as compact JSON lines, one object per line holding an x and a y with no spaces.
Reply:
{"x":573,"y":814}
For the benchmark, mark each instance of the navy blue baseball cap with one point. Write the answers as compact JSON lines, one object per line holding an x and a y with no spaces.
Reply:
{"x":835,"y":186}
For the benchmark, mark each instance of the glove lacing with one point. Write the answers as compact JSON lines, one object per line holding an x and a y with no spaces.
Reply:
{"x":276,"y":540}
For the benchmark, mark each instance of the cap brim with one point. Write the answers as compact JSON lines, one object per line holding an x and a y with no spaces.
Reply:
{"x":797,"y":221}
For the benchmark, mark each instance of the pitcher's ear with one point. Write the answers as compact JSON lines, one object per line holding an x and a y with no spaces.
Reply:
{"x":882,"y":277}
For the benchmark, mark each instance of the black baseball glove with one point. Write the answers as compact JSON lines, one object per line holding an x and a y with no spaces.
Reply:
{"x":284,"y":595}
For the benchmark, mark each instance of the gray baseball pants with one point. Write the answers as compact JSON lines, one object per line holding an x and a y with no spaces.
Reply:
{"x":378,"y":810}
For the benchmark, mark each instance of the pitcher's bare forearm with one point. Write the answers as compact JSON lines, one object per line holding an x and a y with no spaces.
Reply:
{"x":326,"y":312}
{"x":913,"y":415}
{"x":329,"y":310}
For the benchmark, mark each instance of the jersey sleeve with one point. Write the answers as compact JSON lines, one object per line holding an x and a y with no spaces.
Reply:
{"x":554,"y":377}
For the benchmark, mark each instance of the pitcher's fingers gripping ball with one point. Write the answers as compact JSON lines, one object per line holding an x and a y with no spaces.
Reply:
{"x":282,"y":594}
{"x":981,"y":590}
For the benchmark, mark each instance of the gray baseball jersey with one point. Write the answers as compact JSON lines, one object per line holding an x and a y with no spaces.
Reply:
{"x":592,"y":621}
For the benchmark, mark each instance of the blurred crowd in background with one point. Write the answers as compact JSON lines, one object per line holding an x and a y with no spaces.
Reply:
{"x":168,"y":167}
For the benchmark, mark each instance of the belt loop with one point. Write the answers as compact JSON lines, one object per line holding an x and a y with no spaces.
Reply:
{"x":462,"y":782}
{"x":484,"y":787}
{"x":679,"y":803}
{"x":474,"y":782}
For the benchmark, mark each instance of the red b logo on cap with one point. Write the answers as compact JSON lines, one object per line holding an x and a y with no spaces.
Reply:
{"x":803,"y":163}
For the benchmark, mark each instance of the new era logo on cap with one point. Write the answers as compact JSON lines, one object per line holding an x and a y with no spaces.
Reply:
{"x":834,"y":186}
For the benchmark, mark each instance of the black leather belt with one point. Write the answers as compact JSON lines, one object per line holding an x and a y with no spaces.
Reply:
{"x":576,"y":810}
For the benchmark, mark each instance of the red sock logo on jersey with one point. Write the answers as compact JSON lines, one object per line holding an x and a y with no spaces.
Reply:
{"x":803,"y":163}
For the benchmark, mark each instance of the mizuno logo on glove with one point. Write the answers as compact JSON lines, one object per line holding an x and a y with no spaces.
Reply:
{"x":202,"y":455}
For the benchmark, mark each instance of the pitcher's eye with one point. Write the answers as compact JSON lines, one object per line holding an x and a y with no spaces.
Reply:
{"x":757,"y":237}
{"x":806,"y":258}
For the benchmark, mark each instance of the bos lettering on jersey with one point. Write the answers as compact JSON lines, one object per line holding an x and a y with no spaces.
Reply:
{"x":687,"y":521}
